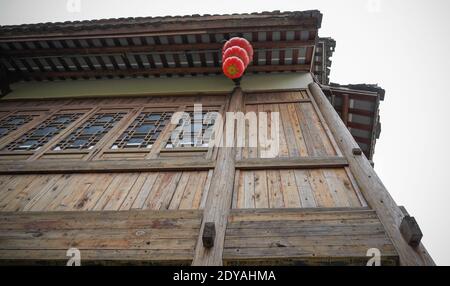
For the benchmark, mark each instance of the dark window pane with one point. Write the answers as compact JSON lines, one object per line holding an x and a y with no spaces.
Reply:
{"x":63,"y":119}
{"x":135,"y":142}
{"x":92,"y":131}
{"x":40,"y":135}
{"x":106,"y":118}
{"x":13,"y":122}
{"x":144,"y":130}
{"x":154,"y":117}
{"x":79,"y":143}
{"x":16,"y":121}
{"x":45,"y":131}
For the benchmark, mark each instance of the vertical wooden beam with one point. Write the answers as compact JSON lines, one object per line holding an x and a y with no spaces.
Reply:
{"x":218,"y":202}
{"x":345,"y":106}
{"x":373,"y":190}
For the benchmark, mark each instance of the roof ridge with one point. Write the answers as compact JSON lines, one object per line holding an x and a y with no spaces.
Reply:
{"x":154,"y":19}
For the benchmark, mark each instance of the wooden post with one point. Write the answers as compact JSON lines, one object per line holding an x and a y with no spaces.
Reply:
{"x":218,"y":202}
{"x":345,"y":106}
{"x":375,"y":193}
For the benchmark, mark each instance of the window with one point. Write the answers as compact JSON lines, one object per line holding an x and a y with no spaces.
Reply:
{"x":122,"y":128}
{"x":143,"y":131}
{"x":13,"y":122}
{"x":193,"y":132}
{"x":43,"y":133}
{"x":91,"y":132}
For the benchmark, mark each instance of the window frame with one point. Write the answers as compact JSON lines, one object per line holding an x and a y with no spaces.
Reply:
{"x":90,"y":106}
{"x":41,"y":114}
{"x":106,"y":153}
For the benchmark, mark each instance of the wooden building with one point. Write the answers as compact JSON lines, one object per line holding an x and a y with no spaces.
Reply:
{"x":87,"y":159}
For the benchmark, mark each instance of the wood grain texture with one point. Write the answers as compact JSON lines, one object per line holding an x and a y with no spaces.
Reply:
{"x":301,"y":131}
{"x":219,"y":200}
{"x":330,"y":236}
{"x":105,"y":191}
{"x":104,"y":166}
{"x":291,"y":163}
{"x":299,"y":188}
{"x":106,"y":237}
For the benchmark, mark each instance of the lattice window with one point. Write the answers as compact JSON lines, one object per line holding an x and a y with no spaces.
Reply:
{"x":144,"y":130}
{"x":91,"y":132}
{"x":43,"y":133}
{"x":196,"y":132}
{"x":13,"y":122}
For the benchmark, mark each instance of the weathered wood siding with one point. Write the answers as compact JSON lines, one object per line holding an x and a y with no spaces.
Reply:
{"x":110,"y":191}
{"x":109,"y":237}
{"x":303,"y":134}
{"x":305,"y":237}
{"x":149,"y":204}
{"x":296,"y":188}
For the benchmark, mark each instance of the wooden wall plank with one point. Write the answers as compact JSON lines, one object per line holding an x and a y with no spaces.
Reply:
{"x":73,"y":191}
{"x":14,"y":186}
{"x":179,"y":191}
{"x":42,"y":191}
{"x":261,"y":192}
{"x":295,"y":188}
{"x":291,"y":163}
{"x":274,"y":189}
{"x":199,"y":192}
{"x":89,"y":198}
{"x":141,"y":198}
{"x":157,"y":199}
{"x":103,"y":237}
{"x":301,"y":145}
{"x":289,"y":132}
{"x":190,"y":191}
{"x":120,"y":192}
{"x":249,"y":190}
{"x":51,"y":194}
{"x":305,"y":191}
{"x":134,"y":191}
{"x":321,"y":191}
{"x":105,"y":191}
{"x":20,"y":199}
{"x":105,"y":166}
{"x":308,"y":236}
{"x":289,"y":189}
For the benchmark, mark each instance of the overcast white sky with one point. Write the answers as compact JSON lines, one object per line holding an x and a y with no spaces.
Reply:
{"x":401,"y":45}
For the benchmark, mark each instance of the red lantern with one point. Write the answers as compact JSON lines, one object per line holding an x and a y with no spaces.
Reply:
{"x":233,"y":67}
{"x":236,"y":51}
{"x":240,"y":42}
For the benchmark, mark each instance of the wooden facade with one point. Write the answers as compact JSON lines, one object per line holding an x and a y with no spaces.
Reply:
{"x":102,"y":174}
